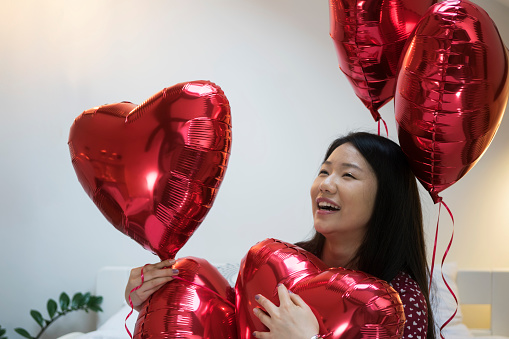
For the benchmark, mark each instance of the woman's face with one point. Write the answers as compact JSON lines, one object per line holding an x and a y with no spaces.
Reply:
{"x":343,"y":194}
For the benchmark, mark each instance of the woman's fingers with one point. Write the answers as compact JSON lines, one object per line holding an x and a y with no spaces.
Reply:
{"x":297,"y":300}
{"x":152,"y":271}
{"x":289,"y":298}
{"x":264,"y":317}
{"x":285,"y":301}
{"x":148,"y":289}
{"x":159,"y":273}
{"x":162,"y":264}
{"x":267,"y":305}
{"x":284,"y":296}
{"x":262,"y":335}
{"x":160,"y":269}
{"x":138,"y":289}
{"x":156,"y":282}
{"x":292,"y":319}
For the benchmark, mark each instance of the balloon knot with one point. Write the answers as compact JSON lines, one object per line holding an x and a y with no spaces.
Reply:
{"x":375,"y":114}
{"x":436,"y":198}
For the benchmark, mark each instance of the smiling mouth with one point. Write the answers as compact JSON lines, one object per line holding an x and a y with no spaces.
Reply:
{"x":327,"y":206}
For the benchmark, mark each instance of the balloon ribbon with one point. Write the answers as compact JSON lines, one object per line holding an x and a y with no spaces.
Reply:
{"x":131,"y":302}
{"x":385,"y":125}
{"x":441,"y":202}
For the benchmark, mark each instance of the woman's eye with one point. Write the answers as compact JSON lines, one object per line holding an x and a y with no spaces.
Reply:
{"x":350,"y":175}
{"x":323,"y":172}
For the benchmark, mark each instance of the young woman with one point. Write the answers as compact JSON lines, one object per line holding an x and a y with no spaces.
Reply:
{"x":367,"y":217}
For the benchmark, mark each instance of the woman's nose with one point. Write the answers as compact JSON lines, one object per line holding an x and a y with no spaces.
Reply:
{"x":328,"y":185}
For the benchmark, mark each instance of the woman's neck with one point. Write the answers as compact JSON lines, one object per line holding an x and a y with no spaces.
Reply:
{"x":340,"y":253}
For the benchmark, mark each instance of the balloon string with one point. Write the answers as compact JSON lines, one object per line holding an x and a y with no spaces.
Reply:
{"x":440,"y":201}
{"x":434,"y":247}
{"x":385,"y":125}
{"x":441,"y":269}
{"x":131,"y":302}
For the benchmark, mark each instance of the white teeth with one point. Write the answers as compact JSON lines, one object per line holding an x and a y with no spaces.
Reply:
{"x":324,"y":204}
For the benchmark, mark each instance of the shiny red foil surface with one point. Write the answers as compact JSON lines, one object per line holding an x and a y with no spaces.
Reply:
{"x":199,"y":304}
{"x":154,"y":170}
{"x":347,"y":304}
{"x":451,"y":93}
{"x":369,"y":37}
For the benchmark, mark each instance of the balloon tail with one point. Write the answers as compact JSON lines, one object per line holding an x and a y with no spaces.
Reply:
{"x":374,"y":113}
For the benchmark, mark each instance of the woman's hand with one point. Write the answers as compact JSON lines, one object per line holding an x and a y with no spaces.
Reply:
{"x":155,"y":276}
{"x":292,"y":319}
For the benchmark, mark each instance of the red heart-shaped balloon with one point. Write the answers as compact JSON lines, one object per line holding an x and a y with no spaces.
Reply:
{"x":452,"y":92}
{"x":154,"y":170}
{"x":198,"y":304}
{"x":347,"y":303}
{"x":370,"y":36}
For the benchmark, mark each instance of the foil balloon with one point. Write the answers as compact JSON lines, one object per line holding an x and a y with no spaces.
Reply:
{"x":154,"y":170}
{"x":346,"y":303}
{"x":451,"y":94}
{"x":199,"y":304}
{"x":369,"y":37}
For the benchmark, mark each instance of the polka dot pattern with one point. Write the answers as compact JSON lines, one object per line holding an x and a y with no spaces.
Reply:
{"x":414,"y":304}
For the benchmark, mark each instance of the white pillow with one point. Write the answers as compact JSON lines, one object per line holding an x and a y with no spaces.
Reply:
{"x":114,"y":328}
{"x":118,"y":320}
{"x":229,"y":272}
{"x":443,"y":303}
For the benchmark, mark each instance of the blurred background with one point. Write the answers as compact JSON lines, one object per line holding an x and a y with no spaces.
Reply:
{"x":277,"y":65}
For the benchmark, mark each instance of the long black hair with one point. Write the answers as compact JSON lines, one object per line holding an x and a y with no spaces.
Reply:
{"x":394,"y":239}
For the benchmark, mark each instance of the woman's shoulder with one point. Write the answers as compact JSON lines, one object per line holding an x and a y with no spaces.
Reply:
{"x":414,"y":304}
{"x":405,"y":284}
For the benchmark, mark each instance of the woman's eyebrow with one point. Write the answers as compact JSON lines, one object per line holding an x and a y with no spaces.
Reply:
{"x":351,"y":165}
{"x":344,"y":164}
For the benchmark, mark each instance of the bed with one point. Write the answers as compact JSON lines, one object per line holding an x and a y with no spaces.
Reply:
{"x":483,"y":297}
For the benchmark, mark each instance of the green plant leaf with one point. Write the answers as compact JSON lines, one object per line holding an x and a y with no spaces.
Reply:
{"x":52,"y":308}
{"x":86,"y":298}
{"x":64,"y":301}
{"x":37,"y":317}
{"x":94,"y":303}
{"x":76,"y":300}
{"x":94,"y":300}
{"x":2,"y":330}
{"x":23,"y":332}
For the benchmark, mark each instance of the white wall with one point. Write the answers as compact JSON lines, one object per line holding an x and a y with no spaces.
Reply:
{"x":275,"y":62}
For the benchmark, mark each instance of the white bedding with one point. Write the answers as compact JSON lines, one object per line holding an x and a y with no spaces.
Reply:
{"x":443,"y":305}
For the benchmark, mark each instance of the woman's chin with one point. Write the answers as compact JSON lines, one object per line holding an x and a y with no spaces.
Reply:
{"x":322,"y":229}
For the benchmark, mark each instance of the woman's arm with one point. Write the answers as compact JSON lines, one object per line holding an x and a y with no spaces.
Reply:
{"x":293,"y":319}
{"x":154,"y":277}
